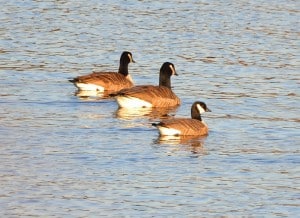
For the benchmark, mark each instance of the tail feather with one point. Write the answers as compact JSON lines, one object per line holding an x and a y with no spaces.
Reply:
{"x":73,"y":80}
{"x":118,"y":93}
{"x":114,"y":94}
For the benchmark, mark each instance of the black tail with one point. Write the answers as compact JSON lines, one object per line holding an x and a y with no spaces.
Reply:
{"x":73,"y":80}
{"x":113,"y":94}
{"x":118,"y":93}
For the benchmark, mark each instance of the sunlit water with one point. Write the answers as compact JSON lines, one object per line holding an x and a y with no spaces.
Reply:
{"x":65,"y":155}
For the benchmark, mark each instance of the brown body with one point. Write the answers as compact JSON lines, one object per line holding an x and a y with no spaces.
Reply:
{"x":186,"y":126}
{"x":158,"y":96}
{"x":110,"y":81}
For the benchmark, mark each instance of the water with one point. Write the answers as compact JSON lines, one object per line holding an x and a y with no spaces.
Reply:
{"x":62,"y":155}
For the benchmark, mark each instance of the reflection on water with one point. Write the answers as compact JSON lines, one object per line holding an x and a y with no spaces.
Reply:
{"x":174,"y":140}
{"x":84,"y":94}
{"x":195,"y":144}
{"x":151,"y":113}
{"x":89,"y":95}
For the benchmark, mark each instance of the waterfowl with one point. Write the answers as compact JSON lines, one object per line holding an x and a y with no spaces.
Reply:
{"x":107,"y":81}
{"x":186,"y":126}
{"x":150,"y":95}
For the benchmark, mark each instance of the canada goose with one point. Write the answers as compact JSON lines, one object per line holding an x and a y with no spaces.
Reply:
{"x":186,"y":126}
{"x":150,"y":95}
{"x":107,"y":81}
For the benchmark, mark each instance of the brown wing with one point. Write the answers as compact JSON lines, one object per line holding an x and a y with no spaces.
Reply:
{"x":187,"y":126}
{"x":108,"y":80}
{"x":158,"y":96}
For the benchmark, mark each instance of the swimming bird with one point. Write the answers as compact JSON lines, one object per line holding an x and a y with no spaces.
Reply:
{"x":186,"y":126}
{"x":150,"y":95}
{"x":107,"y":81}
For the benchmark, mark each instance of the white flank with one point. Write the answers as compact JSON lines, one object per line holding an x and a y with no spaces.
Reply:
{"x":131,"y":102}
{"x":89,"y":87}
{"x":168,"y":131}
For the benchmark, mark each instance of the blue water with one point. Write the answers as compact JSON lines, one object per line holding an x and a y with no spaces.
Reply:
{"x":68,"y":156}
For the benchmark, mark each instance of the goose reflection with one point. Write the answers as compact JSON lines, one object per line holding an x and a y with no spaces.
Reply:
{"x":152,"y":113}
{"x":91,"y":95}
{"x":195,"y":144}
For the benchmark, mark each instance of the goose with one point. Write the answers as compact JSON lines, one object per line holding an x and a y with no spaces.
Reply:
{"x":185,"y":126}
{"x":147,"y":96}
{"x":107,"y":81}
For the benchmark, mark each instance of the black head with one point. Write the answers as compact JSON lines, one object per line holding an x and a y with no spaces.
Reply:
{"x":126,"y":58}
{"x":168,"y":69}
{"x":199,"y":108}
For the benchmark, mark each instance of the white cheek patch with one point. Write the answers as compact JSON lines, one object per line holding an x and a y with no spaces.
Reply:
{"x":200,"y":109}
{"x":130,"y":58}
{"x":172,"y":69}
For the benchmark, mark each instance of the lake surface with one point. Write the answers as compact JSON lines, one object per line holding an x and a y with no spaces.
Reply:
{"x":64,"y":155}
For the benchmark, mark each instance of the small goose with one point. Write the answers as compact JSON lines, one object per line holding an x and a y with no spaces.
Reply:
{"x":150,"y":95}
{"x":107,"y":81}
{"x":186,"y":126}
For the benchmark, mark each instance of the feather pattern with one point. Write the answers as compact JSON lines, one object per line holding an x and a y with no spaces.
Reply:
{"x":157,"y":96}
{"x":110,"y":81}
{"x":186,"y":126}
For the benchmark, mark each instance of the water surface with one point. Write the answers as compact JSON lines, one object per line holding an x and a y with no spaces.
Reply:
{"x":65,"y":155}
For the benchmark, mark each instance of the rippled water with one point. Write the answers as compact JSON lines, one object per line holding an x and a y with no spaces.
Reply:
{"x":64,"y":155}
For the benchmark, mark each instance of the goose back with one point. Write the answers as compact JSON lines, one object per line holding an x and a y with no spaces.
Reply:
{"x":184,"y":126}
{"x":157,"y":96}
{"x":110,"y":81}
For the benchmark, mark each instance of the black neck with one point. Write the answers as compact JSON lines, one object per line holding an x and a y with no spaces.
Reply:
{"x":164,"y":80}
{"x":195,"y":114}
{"x":123,"y":68}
